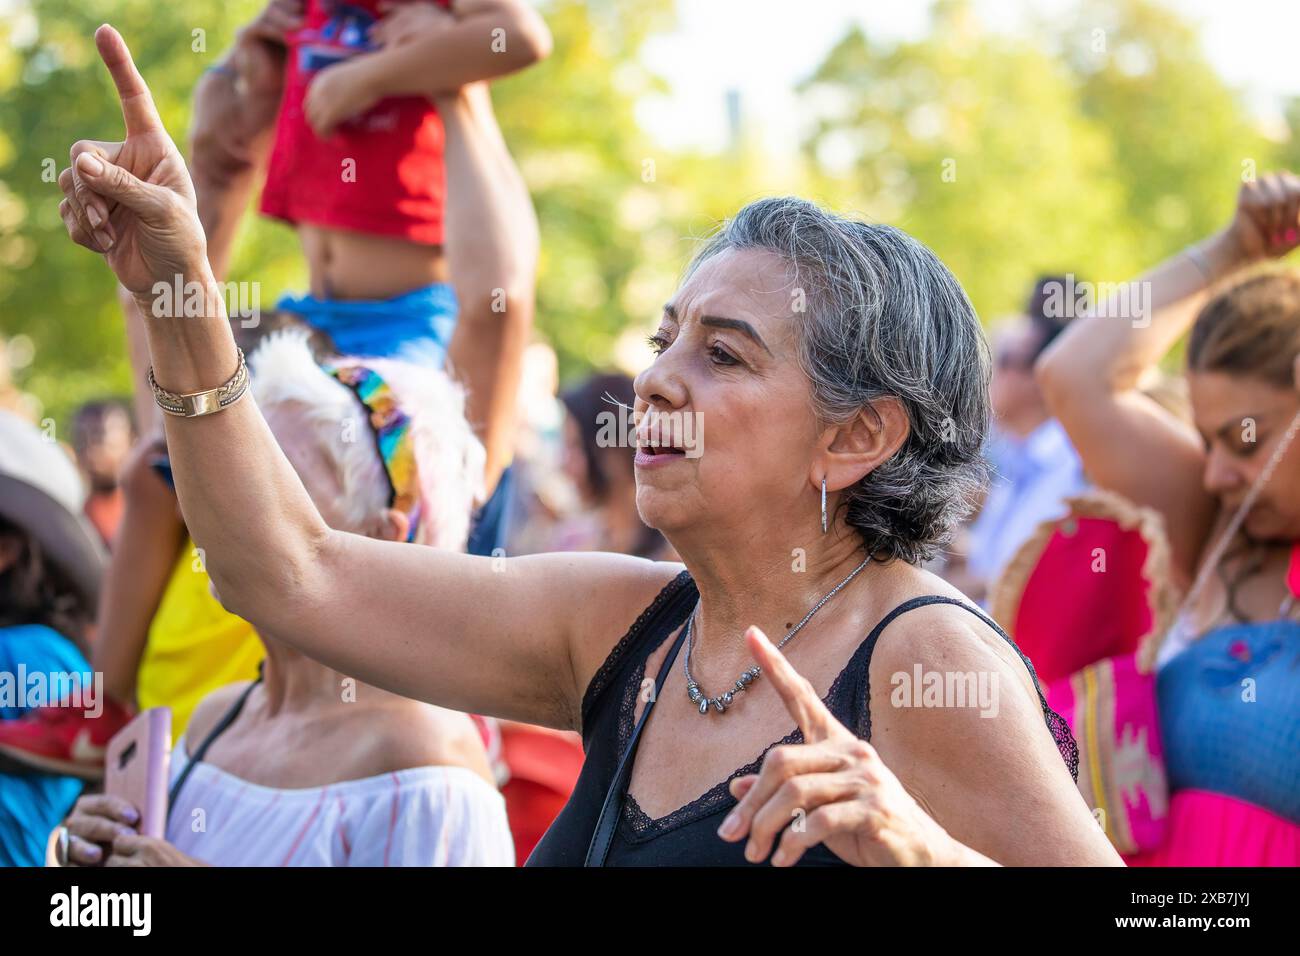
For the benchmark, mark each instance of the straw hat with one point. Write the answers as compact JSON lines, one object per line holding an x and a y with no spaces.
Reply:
{"x":41,"y":492}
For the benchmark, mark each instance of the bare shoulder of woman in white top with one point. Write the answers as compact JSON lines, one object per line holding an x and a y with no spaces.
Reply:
{"x":375,"y":734}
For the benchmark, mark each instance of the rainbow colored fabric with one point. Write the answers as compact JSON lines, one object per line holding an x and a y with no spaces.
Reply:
{"x":391,"y":427}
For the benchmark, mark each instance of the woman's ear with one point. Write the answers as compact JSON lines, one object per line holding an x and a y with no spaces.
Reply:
{"x":393,"y":525}
{"x":850,"y":452}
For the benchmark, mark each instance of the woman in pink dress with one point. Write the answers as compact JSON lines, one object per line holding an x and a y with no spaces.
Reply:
{"x":1228,"y":684}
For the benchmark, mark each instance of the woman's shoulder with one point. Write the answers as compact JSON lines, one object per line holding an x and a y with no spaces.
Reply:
{"x":933,"y":628}
{"x":649,"y":597}
{"x":426,"y":816}
{"x":945,"y":680}
{"x":413,"y":735}
{"x":943,"y":633}
{"x":210,"y":710}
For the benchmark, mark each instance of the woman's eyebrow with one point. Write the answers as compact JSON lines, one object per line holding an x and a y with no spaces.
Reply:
{"x":1227,"y":430}
{"x":740,"y":325}
{"x":719,"y":322}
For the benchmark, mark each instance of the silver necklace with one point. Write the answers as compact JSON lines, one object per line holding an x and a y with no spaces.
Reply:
{"x":723,"y":701}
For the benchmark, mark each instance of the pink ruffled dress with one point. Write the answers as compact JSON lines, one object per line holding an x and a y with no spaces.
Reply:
{"x":1229,"y":706}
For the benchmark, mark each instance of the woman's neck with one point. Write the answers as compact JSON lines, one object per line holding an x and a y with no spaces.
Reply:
{"x":768,"y":586}
{"x":294,"y":683}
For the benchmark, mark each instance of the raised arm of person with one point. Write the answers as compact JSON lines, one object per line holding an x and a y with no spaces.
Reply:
{"x":492,"y":248}
{"x":426,"y":51}
{"x":1092,"y":373}
{"x":483,"y":635}
{"x":485,"y":39}
{"x":233,"y":119}
{"x":233,"y":124}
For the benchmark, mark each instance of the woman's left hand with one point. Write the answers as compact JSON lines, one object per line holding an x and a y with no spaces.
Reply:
{"x":94,"y":823}
{"x":834,"y":787}
{"x":102,"y":832}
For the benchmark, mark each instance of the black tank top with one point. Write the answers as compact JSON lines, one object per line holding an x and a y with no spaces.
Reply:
{"x":688,"y":836}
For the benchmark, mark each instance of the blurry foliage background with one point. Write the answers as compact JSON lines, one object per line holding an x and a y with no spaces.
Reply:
{"x":1094,"y":144}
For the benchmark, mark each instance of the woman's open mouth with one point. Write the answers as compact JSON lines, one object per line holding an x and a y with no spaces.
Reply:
{"x":650,"y":455}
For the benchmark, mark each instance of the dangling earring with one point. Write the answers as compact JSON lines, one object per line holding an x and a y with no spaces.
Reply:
{"x":823,"y":504}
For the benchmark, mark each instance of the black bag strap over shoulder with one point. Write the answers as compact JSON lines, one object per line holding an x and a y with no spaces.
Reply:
{"x":222,"y":725}
{"x":612,"y":807}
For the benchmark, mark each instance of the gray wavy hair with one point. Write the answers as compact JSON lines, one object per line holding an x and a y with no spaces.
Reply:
{"x":883,"y":316}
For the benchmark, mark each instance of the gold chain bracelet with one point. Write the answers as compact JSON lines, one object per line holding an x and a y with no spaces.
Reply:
{"x":209,"y":402}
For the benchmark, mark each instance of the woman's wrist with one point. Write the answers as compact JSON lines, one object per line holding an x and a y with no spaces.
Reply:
{"x":190,"y":293}
{"x":185,"y":368}
{"x":191,"y":347}
{"x":224,"y":67}
{"x":1220,"y":255}
{"x":374,"y":73}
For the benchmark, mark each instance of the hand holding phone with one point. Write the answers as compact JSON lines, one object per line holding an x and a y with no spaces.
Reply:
{"x":137,"y":764}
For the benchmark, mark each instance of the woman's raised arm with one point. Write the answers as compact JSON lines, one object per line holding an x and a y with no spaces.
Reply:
{"x":478,"y":634}
{"x":1091,"y":375}
{"x":492,"y":249}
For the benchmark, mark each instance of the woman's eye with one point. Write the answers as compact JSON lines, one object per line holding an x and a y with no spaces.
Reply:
{"x":658,"y":343}
{"x":721,"y":357}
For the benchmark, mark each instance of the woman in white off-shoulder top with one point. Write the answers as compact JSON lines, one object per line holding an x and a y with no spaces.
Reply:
{"x":308,"y":766}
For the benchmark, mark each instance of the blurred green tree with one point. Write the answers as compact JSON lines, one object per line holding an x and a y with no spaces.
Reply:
{"x":1093,"y":143}
{"x":1182,"y":140}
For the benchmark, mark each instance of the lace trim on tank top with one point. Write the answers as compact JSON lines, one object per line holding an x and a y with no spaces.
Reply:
{"x":617,"y":656}
{"x":645,"y":826}
{"x":850,"y":685}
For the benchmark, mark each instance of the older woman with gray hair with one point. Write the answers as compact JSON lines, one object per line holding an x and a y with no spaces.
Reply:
{"x":841,"y":373}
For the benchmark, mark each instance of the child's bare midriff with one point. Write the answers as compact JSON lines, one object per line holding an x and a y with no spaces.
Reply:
{"x":352,"y":265}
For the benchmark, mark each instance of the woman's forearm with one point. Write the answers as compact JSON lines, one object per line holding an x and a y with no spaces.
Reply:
{"x":269,"y":553}
{"x":1091,"y":378}
{"x":243,"y":504}
{"x":1131,"y":331}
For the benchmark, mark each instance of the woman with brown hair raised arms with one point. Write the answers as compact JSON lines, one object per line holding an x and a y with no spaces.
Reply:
{"x":1228,"y":691}
{"x":842,"y":376}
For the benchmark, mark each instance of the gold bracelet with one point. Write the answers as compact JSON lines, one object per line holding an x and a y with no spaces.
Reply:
{"x":209,"y":402}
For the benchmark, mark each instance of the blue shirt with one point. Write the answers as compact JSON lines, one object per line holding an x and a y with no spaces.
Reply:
{"x":1229,"y":708}
{"x":32,"y":804}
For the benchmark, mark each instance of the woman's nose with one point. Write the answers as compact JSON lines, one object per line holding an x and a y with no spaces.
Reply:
{"x":1221,"y":474}
{"x":660,"y":384}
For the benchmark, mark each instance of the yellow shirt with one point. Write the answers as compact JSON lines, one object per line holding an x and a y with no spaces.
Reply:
{"x":195,"y":645}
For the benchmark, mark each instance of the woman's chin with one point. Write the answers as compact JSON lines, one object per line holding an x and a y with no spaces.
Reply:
{"x":659,"y":508}
{"x":1264,"y":524}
